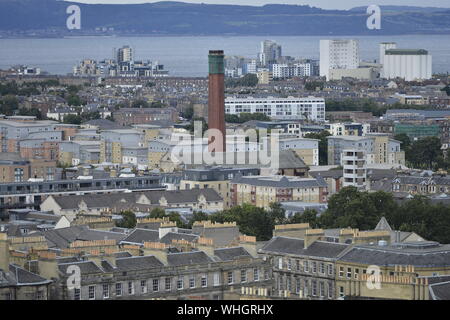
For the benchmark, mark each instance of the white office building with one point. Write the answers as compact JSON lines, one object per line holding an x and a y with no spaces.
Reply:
{"x":338,"y":54}
{"x":270,"y":53}
{"x":310,"y":108}
{"x":408,"y":64}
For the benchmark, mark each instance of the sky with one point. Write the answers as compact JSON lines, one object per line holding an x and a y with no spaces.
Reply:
{"x":326,"y":4}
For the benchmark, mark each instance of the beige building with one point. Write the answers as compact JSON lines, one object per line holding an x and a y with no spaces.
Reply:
{"x":261,"y":191}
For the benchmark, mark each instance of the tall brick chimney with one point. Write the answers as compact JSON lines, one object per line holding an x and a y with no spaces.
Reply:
{"x":216,"y":101}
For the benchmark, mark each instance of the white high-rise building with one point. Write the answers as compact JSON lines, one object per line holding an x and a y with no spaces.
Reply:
{"x":338,"y":54}
{"x":408,"y":64}
{"x":270,"y":53}
{"x":355,"y":170}
{"x":125,"y":54}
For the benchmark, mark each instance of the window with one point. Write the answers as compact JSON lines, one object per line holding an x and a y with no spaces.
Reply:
{"x":356,"y":274}
{"x":143,"y":286}
{"x":255,"y":274}
{"x":118,"y":289}
{"x":314,"y":288}
{"x":192,"y":282}
{"x":330,"y":269}
{"x":243,"y":276}
{"x":168,"y":284}
{"x":314,"y":266}
{"x":288,"y":284}
{"x":297,"y":285}
{"x":349,"y":273}
{"x":180,"y":283}
{"x":155,"y":285}
{"x":230,"y":277}
{"x":216,"y":279}
{"x":204,"y":281}
{"x":322,"y":268}
{"x":105,"y":291}
{"x":280,"y":263}
{"x":306,"y":266}
{"x":289,"y":266}
{"x":130,"y":287}
{"x":341,"y":291}
{"x":322,"y":289}
{"x":91,"y":291}
{"x":76,"y":294}
{"x":266,"y":274}
{"x":330,"y":290}
{"x":298,"y":265}
{"x":341,"y":272}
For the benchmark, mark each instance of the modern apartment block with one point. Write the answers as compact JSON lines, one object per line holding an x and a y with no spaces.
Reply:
{"x":378,"y":149}
{"x":269,"y":54}
{"x":355,"y":170}
{"x":348,"y":129}
{"x":114,"y":141}
{"x":310,"y":108}
{"x":338,"y":54}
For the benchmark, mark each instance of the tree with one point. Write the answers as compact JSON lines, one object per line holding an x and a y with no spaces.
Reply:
{"x":313,"y":85}
{"x":158,"y":213}
{"x":74,"y":100}
{"x":352,"y":208}
{"x":73,"y":119}
{"x":424,"y":152}
{"x":249,"y":80}
{"x":277,"y":213}
{"x":140,"y":104}
{"x":446,"y":89}
{"x":323,"y":145}
{"x":244,"y":117}
{"x":128,"y":220}
{"x":8,"y":105}
{"x":308,"y":216}
{"x":34,"y":112}
{"x":188,"y":112}
{"x":252,"y":221}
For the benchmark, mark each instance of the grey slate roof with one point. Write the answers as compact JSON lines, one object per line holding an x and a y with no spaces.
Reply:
{"x":294,"y":246}
{"x":86,"y":267}
{"x":62,"y":238}
{"x":142,"y":235}
{"x":437,"y":256}
{"x":20,"y":276}
{"x":188,"y":258}
{"x":228,"y":254}
{"x":137,"y":263}
{"x":440,"y":291}
{"x":283,"y":182}
{"x":178,"y":236}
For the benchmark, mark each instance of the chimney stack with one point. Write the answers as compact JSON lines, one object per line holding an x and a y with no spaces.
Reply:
{"x":216,"y":102}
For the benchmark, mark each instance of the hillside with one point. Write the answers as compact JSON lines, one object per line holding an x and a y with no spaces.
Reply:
{"x":48,"y":18}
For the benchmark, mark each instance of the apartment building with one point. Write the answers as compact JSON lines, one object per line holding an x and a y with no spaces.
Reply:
{"x":348,"y":129}
{"x":310,"y":108}
{"x":338,"y":54}
{"x":130,"y":116}
{"x":217,"y":178}
{"x":114,"y":141}
{"x":378,"y":149}
{"x":306,"y":149}
{"x":261,"y":191}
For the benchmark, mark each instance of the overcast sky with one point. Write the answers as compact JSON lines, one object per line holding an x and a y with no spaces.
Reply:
{"x":327,"y":4}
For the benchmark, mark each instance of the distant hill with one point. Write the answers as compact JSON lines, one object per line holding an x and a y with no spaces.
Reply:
{"x":403,"y":9}
{"x":48,"y":18}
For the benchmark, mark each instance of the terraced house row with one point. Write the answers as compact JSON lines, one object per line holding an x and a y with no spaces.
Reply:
{"x":157,"y":260}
